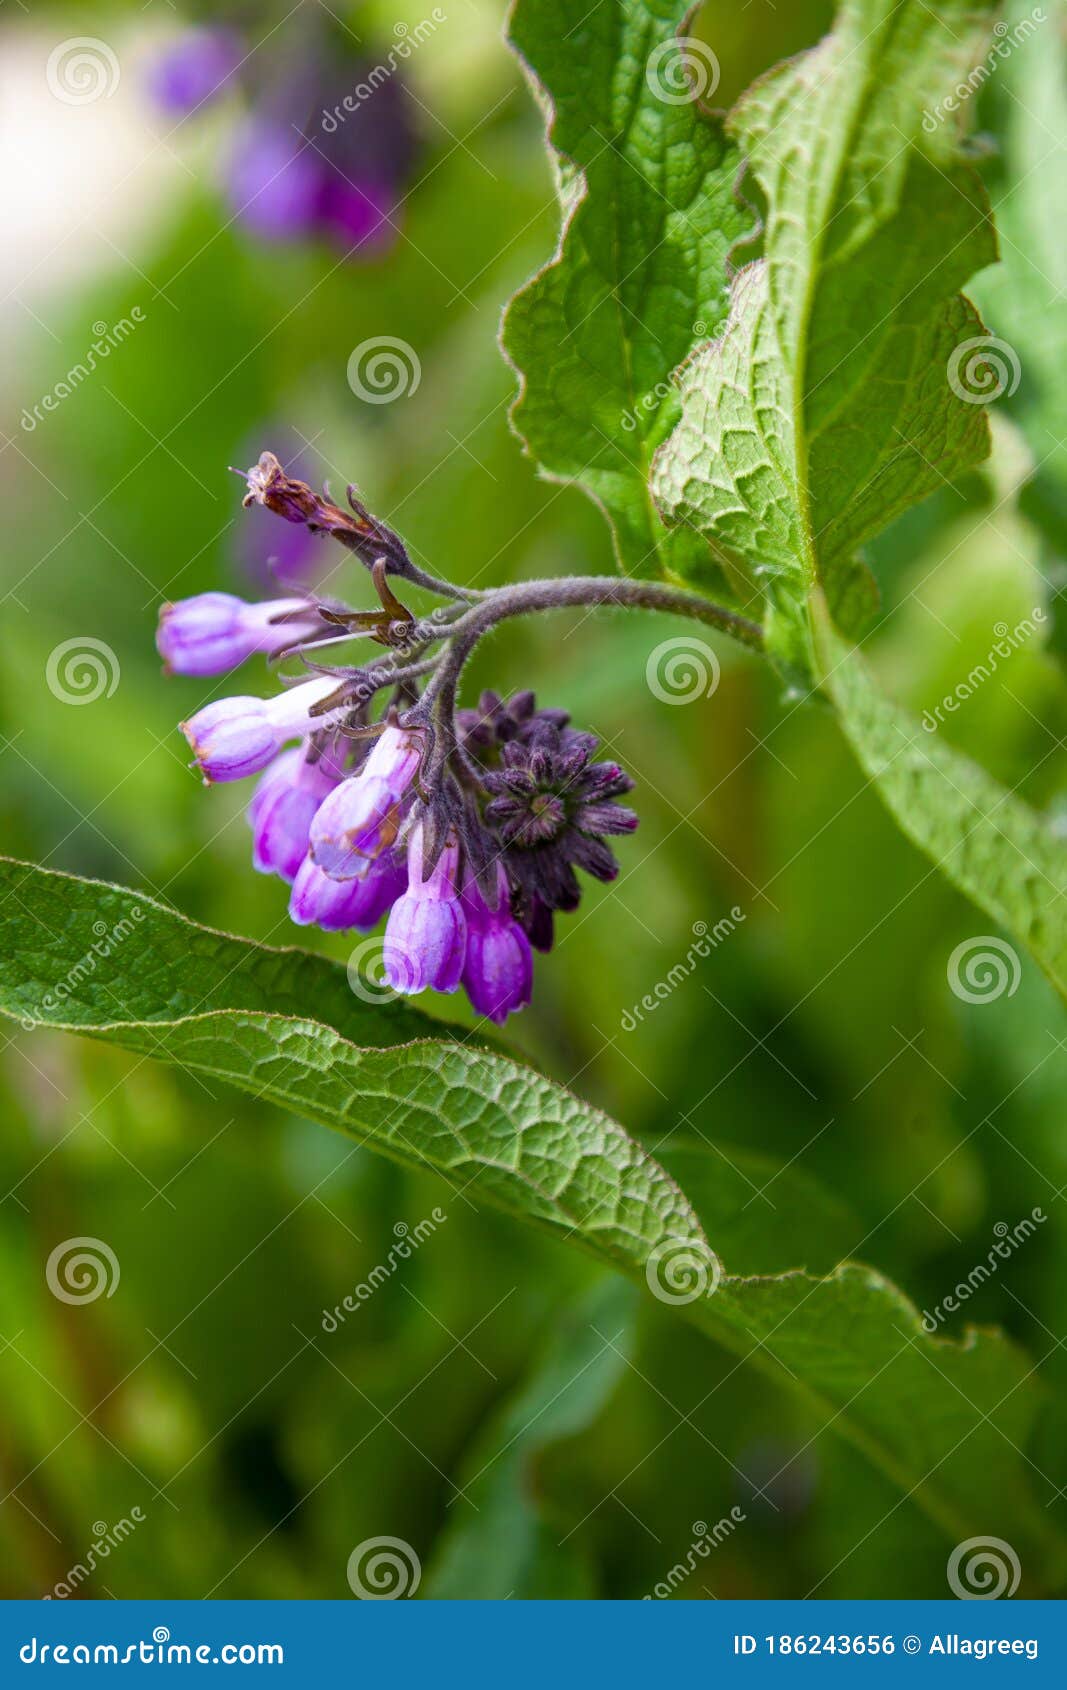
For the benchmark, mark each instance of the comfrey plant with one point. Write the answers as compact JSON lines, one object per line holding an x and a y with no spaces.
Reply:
{"x":750,"y":407}
{"x":467,"y":826}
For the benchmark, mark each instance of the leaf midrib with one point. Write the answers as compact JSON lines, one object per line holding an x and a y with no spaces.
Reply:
{"x":865,"y":97}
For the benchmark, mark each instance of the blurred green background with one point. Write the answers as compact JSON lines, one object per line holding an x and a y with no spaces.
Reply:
{"x":260,"y":1449}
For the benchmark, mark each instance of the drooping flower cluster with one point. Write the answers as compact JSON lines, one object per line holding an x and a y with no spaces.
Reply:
{"x":464,"y":826}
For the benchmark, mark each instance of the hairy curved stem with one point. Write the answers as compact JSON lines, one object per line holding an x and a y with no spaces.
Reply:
{"x":401,"y":568}
{"x":374,"y":679}
{"x":569,"y":592}
{"x":434,"y":584}
{"x":599,"y":590}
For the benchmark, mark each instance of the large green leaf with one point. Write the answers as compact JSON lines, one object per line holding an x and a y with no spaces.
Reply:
{"x":284,"y":1025}
{"x":995,"y":848}
{"x":826,"y":406}
{"x":944,"y":1421}
{"x":645,"y":182}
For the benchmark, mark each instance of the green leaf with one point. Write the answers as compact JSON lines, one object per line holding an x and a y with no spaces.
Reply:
{"x":947,"y":1422}
{"x":938,"y":1418}
{"x":1025,"y":296}
{"x":646,"y":192}
{"x":511,"y":1547}
{"x":825,"y":408}
{"x":995,"y":848}
{"x":284,"y":1025}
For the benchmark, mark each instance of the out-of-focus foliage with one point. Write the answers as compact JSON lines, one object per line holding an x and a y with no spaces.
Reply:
{"x":220,"y":1008}
{"x":1025,"y":296}
{"x":822,"y":1033}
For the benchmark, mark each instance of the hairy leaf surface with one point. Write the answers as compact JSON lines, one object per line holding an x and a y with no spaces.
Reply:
{"x":645,"y":180}
{"x":995,"y":848}
{"x":826,"y":407}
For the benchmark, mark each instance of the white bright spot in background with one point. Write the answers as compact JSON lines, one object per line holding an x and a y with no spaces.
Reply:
{"x":85,"y":186}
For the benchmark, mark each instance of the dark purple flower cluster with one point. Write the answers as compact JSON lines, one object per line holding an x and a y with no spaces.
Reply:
{"x":294,"y":169}
{"x":464,"y":827}
{"x":549,"y":806}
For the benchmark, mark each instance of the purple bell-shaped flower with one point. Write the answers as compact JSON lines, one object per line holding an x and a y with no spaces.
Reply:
{"x":361,"y":817}
{"x":235,"y":737}
{"x":214,"y":632}
{"x":498,"y":967}
{"x":336,"y":905}
{"x":283,"y":808}
{"x":195,"y":69}
{"x":426,"y":935}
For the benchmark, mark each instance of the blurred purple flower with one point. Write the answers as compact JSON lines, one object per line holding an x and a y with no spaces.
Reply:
{"x":274,"y":180}
{"x":299,"y":168}
{"x":327,"y":144}
{"x":358,"y":214}
{"x":194,"y":69}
